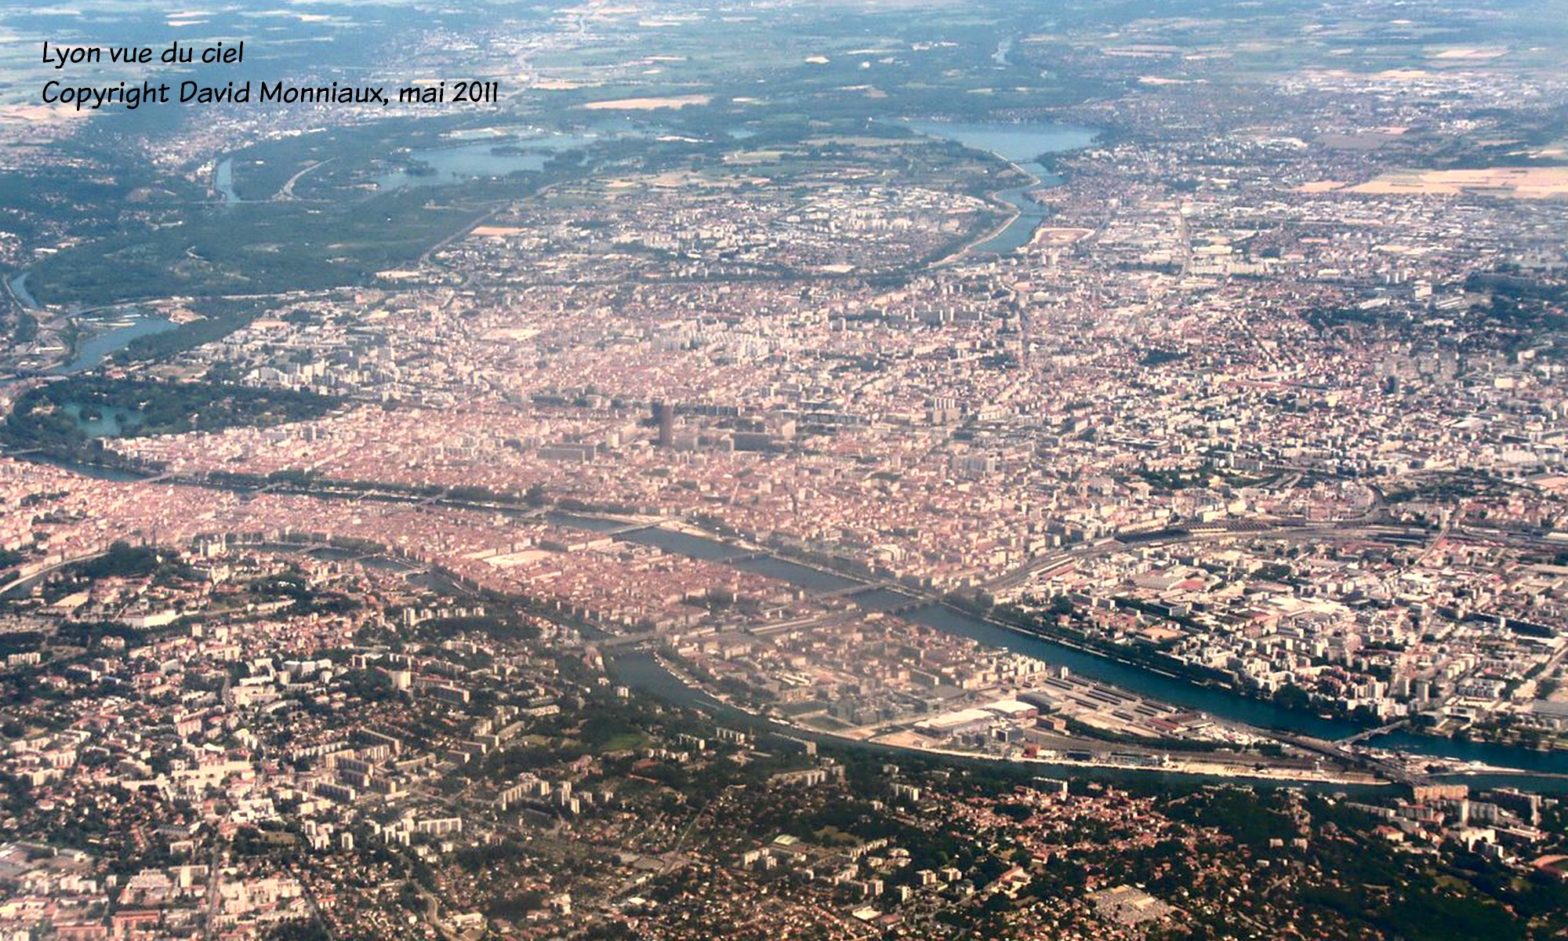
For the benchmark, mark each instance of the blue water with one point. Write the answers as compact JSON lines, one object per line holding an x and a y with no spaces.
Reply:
{"x":710,"y":550}
{"x":696,"y":547}
{"x":18,"y":284}
{"x":643,"y":673}
{"x":1212,"y":700}
{"x":881,"y":599}
{"x":109,"y":423}
{"x":1225,"y":704}
{"x":796,"y":574}
{"x":223,"y":182}
{"x":1215,"y":701}
{"x":478,"y":160}
{"x":450,"y":165}
{"x":96,"y":349}
{"x":1504,"y":756}
{"x":83,"y":469}
{"x":464,"y":162}
{"x":1022,"y":144}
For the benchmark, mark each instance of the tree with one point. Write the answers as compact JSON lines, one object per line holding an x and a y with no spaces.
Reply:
{"x":1292,"y":696}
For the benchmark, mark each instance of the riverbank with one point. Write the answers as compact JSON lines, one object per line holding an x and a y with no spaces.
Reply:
{"x":1170,"y":760}
{"x":998,"y":234}
{"x":641,"y":671}
{"x":1222,"y":703}
{"x":1020,"y":146}
{"x":88,"y":341}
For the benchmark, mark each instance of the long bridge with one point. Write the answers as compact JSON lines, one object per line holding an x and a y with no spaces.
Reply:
{"x":1390,"y":770}
{"x":1366,"y":734}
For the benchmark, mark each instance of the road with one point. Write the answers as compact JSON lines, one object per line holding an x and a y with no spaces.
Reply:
{"x":286,"y":192}
{"x":214,"y":887}
{"x":21,"y":580}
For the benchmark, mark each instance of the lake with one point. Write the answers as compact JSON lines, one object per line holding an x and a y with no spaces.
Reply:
{"x":1022,"y":144}
{"x":106,"y":423}
{"x":496,"y":157}
{"x":449,"y":165}
{"x":489,"y":156}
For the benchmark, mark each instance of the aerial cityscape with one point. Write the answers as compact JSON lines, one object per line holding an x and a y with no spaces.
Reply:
{"x":829,"y":469}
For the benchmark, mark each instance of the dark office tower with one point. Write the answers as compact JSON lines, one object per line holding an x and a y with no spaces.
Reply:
{"x":664,"y":414}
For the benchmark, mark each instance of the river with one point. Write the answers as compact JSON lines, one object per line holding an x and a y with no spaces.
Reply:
{"x":710,"y":550}
{"x":100,"y":346}
{"x":95,"y":471}
{"x":1212,"y":700}
{"x":223,"y":182}
{"x":18,"y":286}
{"x":1020,"y":144}
{"x":641,"y":671}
